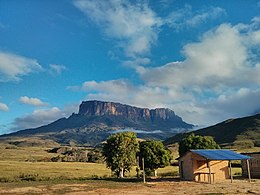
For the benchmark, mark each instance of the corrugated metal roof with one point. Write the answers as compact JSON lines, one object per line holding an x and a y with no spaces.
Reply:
{"x":220,"y":154}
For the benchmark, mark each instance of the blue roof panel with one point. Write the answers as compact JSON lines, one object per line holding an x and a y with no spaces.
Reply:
{"x":220,"y":154}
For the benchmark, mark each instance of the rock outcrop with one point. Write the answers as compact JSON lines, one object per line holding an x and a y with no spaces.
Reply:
{"x":96,"y":120}
{"x":99,"y":108}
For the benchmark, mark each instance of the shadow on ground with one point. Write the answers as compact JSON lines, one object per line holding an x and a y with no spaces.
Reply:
{"x":140,"y":180}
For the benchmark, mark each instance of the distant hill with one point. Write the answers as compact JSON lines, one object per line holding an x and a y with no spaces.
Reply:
{"x":240,"y":132}
{"x":96,"y":120}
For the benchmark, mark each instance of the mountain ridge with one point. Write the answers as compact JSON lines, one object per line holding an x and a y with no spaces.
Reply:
{"x":95,"y":121}
{"x":232,"y":132}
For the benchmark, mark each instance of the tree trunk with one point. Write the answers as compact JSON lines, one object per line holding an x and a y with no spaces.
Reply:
{"x":121,"y":173}
{"x":155,"y":173}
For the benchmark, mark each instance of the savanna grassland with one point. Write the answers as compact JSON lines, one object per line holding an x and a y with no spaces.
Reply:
{"x":25,"y":163}
{"x":23,"y":172}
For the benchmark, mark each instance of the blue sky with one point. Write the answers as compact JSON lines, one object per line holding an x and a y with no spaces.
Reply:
{"x":199,"y":58}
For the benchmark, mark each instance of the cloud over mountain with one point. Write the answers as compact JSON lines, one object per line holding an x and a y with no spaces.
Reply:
{"x":198,"y":58}
{"x":38,"y":118}
{"x":41,"y":117}
{"x":218,"y":73}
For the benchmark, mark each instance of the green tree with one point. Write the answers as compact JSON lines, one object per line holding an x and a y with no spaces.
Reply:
{"x":193,"y":141}
{"x":155,"y":155}
{"x":120,"y":152}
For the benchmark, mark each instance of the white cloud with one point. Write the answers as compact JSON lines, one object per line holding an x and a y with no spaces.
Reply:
{"x":186,"y":18}
{"x":217,"y":75}
{"x":242,"y":103}
{"x":244,"y":99}
{"x":195,"y":110}
{"x":42,"y":117}
{"x":32,"y":101}
{"x":218,"y":79}
{"x":248,"y":28}
{"x":37,"y":118}
{"x":219,"y":61}
{"x":211,"y":14}
{"x":3,"y":107}
{"x":113,"y":90}
{"x":57,"y":69}
{"x":134,"y":25}
{"x":137,"y":63}
{"x":125,"y":92}
{"x":13,"y":66}
{"x":218,"y":72}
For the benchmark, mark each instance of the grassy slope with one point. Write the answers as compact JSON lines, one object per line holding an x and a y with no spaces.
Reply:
{"x":227,"y":132}
{"x":13,"y":165}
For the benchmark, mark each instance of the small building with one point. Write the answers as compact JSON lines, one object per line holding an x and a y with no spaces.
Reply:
{"x":207,"y":165}
{"x":254,"y":163}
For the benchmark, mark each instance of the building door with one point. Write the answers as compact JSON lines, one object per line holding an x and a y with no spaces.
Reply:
{"x":181,"y":170}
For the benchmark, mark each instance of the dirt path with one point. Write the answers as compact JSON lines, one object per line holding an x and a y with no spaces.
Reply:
{"x":161,"y":187}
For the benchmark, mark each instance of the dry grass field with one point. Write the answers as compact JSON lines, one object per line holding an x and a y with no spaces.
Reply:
{"x":11,"y":171}
{"x":106,"y":187}
{"x":23,"y":163}
{"x":21,"y":172}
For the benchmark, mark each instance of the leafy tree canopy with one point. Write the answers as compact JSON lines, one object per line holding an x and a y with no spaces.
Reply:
{"x":155,"y":155}
{"x":196,"y":142}
{"x":120,"y":152}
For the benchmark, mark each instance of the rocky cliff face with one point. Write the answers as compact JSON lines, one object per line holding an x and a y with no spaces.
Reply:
{"x":96,"y":120}
{"x":98,"y":108}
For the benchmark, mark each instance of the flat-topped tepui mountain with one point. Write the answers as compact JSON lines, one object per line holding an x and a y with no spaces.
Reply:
{"x":96,"y":120}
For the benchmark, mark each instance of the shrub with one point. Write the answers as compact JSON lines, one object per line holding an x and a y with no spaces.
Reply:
{"x":95,"y":156}
{"x":257,"y":143}
{"x":57,"y":159}
{"x":4,"y":179}
{"x":11,"y":147}
{"x":172,"y":173}
{"x":243,"y":144}
{"x":28,"y":177}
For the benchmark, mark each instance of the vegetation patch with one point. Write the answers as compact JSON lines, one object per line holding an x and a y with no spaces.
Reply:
{"x":230,"y":132}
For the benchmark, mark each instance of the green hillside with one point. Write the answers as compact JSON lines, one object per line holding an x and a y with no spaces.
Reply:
{"x":239,"y":133}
